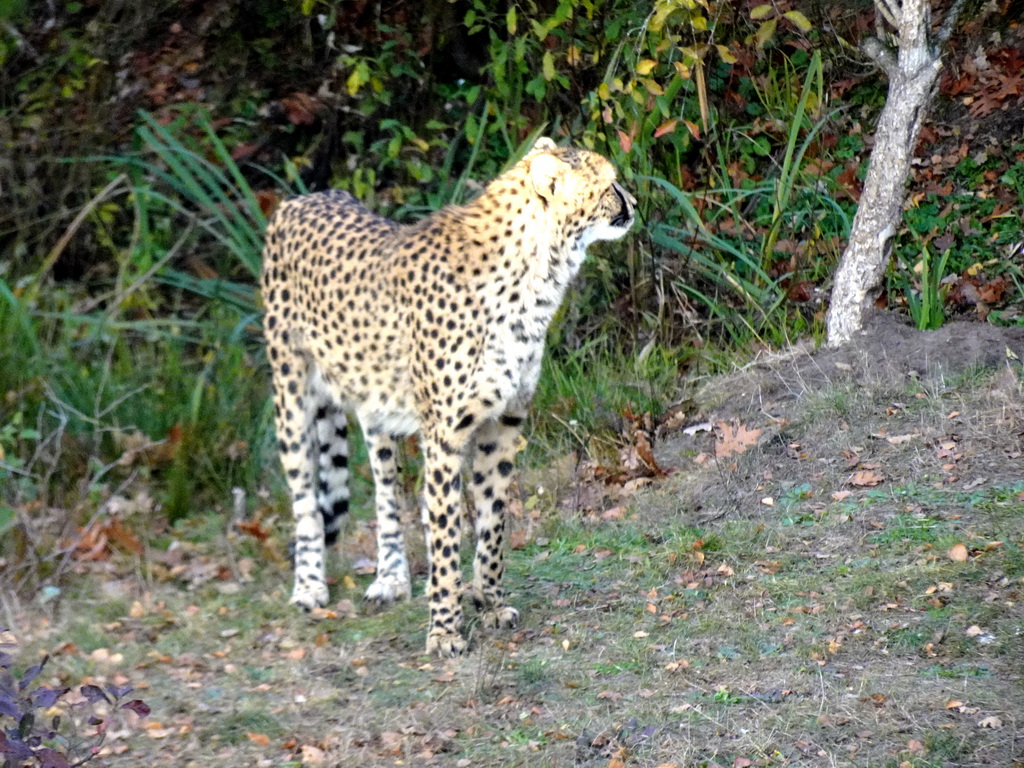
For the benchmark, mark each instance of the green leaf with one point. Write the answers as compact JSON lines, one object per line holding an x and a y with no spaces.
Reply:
{"x":765,"y":33}
{"x":645,"y":66}
{"x":799,"y":20}
{"x":725,"y":54}
{"x":761,"y":12}
{"x":548,"y":66}
{"x":510,"y":20}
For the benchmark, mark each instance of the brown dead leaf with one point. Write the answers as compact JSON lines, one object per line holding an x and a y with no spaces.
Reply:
{"x":259,"y":739}
{"x":364,"y":566}
{"x":866,"y":478}
{"x":991,"y":722}
{"x":267,"y":201}
{"x":734,"y":439}
{"x":301,"y":108}
{"x":254,"y":529}
{"x":313,"y":755}
{"x":615,"y":513}
{"x":958,"y":553}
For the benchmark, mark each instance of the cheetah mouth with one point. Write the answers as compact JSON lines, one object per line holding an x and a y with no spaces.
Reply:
{"x":625,"y":215}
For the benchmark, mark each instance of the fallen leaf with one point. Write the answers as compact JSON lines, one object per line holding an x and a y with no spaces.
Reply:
{"x":259,"y":739}
{"x":615,"y":513}
{"x":734,"y":439}
{"x":866,"y":478}
{"x":312,"y":755}
{"x":958,"y":553}
{"x":364,"y":566}
{"x":254,"y":529}
{"x":991,"y":722}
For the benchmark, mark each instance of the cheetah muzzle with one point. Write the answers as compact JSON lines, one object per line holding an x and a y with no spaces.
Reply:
{"x":438,"y":328}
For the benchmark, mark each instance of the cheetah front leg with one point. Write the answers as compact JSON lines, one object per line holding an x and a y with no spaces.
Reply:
{"x":442,"y":520}
{"x":392,"y":582}
{"x":492,"y":477}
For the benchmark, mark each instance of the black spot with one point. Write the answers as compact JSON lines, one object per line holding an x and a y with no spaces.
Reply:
{"x":505,"y":468}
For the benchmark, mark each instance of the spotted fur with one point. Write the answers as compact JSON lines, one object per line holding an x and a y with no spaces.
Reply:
{"x":438,"y":328}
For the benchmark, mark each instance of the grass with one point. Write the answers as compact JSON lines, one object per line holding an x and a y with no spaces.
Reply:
{"x":729,"y":675}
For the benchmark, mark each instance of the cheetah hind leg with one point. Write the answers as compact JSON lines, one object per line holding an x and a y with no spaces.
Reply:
{"x":295,"y":441}
{"x":392,"y":582}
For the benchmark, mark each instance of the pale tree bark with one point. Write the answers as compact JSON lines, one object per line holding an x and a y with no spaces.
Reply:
{"x":912,"y":68}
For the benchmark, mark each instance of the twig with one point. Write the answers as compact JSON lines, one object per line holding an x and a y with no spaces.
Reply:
{"x":58,"y":249}
{"x":890,"y":11}
{"x":880,"y":53}
{"x":948,"y":22}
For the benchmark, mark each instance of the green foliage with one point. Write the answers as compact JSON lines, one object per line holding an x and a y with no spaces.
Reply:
{"x":926,"y":303}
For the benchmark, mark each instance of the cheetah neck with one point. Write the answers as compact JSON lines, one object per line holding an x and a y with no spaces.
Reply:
{"x":532,"y":260}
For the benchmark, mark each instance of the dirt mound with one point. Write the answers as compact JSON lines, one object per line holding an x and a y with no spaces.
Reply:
{"x":888,"y":348}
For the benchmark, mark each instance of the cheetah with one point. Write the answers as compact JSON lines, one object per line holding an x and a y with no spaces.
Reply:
{"x":434,"y":328}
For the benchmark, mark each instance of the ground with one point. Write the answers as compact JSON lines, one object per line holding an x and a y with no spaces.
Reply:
{"x":830,"y":573}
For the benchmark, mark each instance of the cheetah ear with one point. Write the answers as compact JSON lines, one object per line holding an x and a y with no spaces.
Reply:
{"x":542,"y":144}
{"x":545,"y":175}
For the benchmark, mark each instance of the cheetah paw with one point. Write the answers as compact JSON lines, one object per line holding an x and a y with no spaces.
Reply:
{"x":385,"y":591}
{"x":446,"y":644}
{"x":310,"y":596}
{"x":503,"y":617}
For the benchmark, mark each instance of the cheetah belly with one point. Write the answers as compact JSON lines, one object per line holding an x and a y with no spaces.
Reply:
{"x":385,"y":405}
{"x":395,"y":417}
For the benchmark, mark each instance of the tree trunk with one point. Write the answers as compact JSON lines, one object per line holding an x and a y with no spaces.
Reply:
{"x":912,"y":73}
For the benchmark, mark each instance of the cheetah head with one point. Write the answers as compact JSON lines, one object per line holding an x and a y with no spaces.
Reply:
{"x":578,"y":188}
